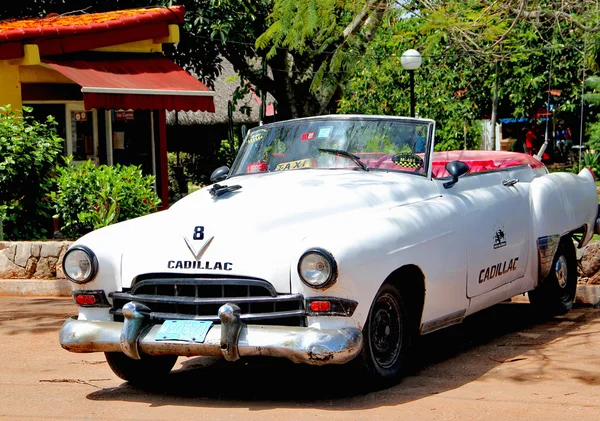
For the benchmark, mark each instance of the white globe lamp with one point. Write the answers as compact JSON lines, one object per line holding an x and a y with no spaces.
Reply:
{"x":411,"y":60}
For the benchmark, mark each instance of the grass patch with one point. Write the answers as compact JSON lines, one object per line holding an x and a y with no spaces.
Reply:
{"x":192,"y":188}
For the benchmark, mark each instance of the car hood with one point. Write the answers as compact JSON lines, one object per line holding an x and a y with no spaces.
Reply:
{"x":259,"y":229}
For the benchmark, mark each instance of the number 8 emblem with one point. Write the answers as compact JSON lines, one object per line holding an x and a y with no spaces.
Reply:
{"x":198,"y":233}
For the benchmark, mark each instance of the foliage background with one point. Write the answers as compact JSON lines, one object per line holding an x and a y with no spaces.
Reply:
{"x":455,"y":85}
{"x":29,"y":152}
{"x":445,"y":87}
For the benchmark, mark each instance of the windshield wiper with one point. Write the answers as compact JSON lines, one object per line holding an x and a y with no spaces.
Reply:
{"x":347,"y":154}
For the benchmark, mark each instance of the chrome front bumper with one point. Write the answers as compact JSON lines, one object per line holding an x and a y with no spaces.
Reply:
{"x":231,"y":339}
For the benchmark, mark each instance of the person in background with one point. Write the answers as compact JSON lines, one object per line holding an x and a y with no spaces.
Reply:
{"x":420,"y":144}
{"x":531,"y":140}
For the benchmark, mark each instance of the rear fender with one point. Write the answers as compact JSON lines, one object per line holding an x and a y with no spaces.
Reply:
{"x":563,"y":203}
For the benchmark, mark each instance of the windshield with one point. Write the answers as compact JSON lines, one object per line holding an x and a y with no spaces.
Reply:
{"x":390,"y":144}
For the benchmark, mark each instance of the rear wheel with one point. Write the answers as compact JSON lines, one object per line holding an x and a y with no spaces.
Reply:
{"x":149,"y":369}
{"x":556,"y":294}
{"x":387,"y":337}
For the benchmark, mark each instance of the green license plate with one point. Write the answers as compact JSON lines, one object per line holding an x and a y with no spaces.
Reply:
{"x":183,"y":330}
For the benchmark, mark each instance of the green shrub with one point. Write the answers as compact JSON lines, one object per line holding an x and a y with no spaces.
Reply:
{"x":228,"y":150}
{"x":589,"y":160}
{"x":175,"y":189}
{"x":28,"y":156}
{"x":90,"y":197}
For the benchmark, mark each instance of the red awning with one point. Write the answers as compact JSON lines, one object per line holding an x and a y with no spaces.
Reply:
{"x":141,"y":82}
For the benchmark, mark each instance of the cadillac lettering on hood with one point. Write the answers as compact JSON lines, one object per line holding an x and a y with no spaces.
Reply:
{"x":331,"y":240}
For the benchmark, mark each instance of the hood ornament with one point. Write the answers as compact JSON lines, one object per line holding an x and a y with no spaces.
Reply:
{"x":198,"y":254}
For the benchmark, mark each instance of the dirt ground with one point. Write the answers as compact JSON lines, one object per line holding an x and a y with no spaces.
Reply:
{"x":502,"y":364}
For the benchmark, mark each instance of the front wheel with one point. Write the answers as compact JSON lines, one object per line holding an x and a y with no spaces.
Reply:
{"x":387,"y":337}
{"x":556,"y":294}
{"x":149,"y":369}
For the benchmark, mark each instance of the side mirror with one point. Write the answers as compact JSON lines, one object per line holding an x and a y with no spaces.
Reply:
{"x":455,"y":169}
{"x":219,"y":174}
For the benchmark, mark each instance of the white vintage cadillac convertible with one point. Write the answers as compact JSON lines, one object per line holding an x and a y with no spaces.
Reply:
{"x":331,"y":240}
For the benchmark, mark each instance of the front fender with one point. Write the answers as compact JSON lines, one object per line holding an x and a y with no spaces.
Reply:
{"x":428,"y":234}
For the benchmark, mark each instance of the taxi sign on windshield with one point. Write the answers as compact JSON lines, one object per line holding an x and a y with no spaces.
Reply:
{"x":295,"y":165}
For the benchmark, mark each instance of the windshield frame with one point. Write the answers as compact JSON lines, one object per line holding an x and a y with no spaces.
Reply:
{"x":428,"y":153}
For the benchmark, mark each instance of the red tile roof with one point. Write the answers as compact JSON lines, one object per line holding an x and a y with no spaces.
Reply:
{"x":53,"y":26}
{"x":55,"y":35}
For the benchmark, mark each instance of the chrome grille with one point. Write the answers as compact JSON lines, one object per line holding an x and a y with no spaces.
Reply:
{"x":200,"y":298}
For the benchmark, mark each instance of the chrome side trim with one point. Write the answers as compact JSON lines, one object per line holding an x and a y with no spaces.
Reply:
{"x":597,"y":223}
{"x":444,"y":321}
{"x":546,"y":250}
{"x":297,"y":344}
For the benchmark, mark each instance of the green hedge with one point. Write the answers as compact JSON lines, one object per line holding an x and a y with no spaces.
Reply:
{"x":90,"y":197}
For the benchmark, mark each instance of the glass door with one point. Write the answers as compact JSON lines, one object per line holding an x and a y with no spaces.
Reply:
{"x":82,"y":133}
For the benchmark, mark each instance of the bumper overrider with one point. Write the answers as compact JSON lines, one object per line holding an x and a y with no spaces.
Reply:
{"x":231,"y":339}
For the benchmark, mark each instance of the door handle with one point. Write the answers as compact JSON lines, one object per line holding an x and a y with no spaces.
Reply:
{"x":510,"y":182}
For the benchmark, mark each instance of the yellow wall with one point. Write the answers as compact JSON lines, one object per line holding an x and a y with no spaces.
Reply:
{"x":29,"y":69}
{"x":10,"y":85}
{"x":147,"y":46}
{"x":42,"y":74}
{"x":10,"y":76}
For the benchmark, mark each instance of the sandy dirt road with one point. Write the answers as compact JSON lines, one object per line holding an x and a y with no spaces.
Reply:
{"x":503,"y":364}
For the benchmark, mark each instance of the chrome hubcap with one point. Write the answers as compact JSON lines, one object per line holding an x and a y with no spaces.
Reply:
{"x":561,"y":271}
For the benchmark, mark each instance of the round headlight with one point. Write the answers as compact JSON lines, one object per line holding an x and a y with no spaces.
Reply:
{"x":317,"y":268}
{"x":80,"y":264}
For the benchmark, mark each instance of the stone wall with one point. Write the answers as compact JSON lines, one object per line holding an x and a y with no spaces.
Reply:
{"x":32,"y":259}
{"x":589,"y":264}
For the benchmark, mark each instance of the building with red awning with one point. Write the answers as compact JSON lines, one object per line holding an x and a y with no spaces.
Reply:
{"x":104,"y":78}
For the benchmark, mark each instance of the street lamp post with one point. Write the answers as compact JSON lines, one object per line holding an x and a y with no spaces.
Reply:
{"x":411,"y":60}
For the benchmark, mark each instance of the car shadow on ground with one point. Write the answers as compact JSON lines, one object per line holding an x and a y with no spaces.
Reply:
{"x":443,"y":361}
{"x":22,"y":315}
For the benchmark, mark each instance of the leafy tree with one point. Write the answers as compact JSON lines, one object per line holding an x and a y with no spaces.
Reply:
{"x":448,"y":86}
{"x":456,"y":82}
{"x":28,"y":155}
{"x":302,"y":51}
{"x":484,"y":26}
{"x":315,"y":42}
{"x":593,"y":98}
{"x":296,"y":51}
{"x":531,"y":44}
